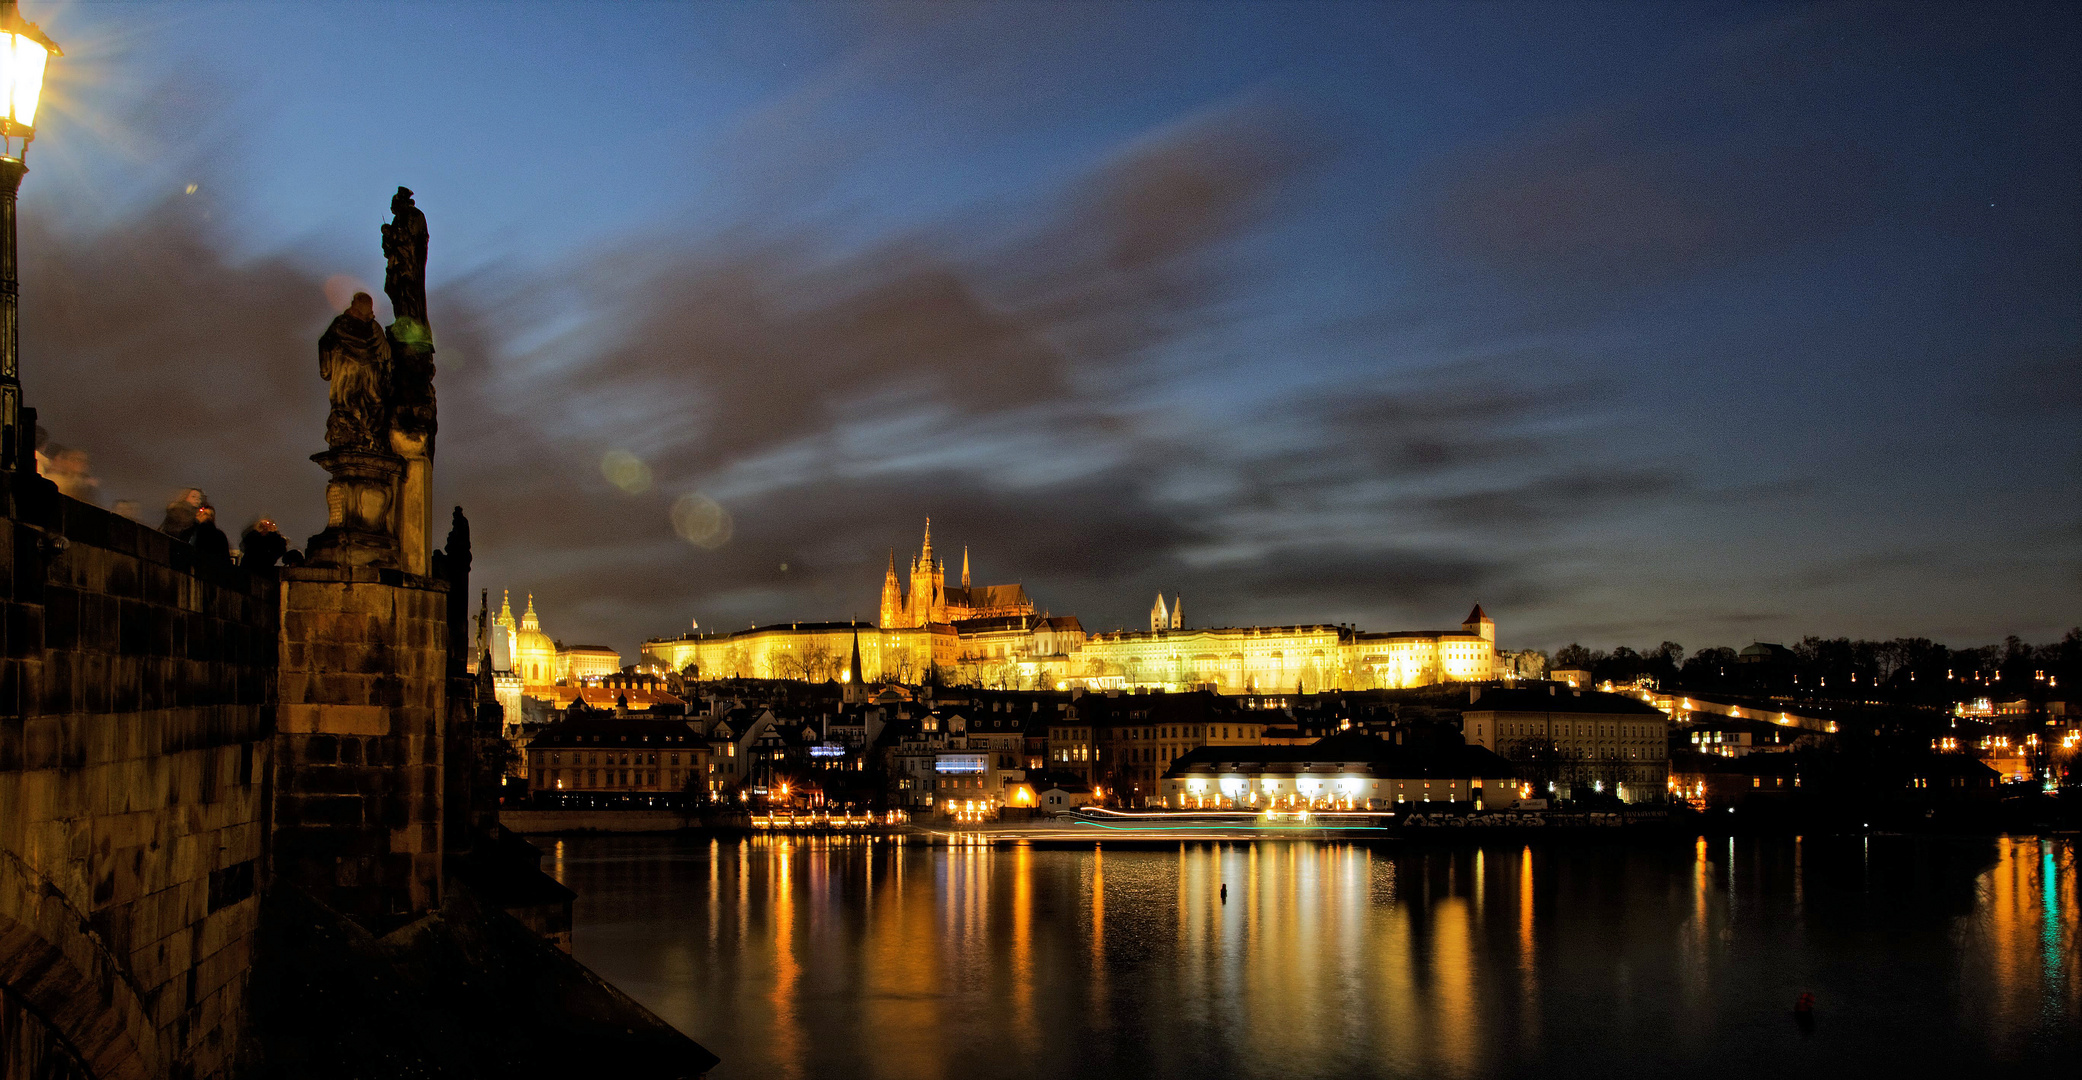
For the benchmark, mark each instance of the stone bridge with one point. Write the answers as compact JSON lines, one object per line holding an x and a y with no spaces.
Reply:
{"x":187,"y":748}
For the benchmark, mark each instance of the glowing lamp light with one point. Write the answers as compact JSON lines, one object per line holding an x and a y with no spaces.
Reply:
{"x":24,"y":53}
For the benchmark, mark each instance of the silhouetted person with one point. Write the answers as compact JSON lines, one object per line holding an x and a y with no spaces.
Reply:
{"x":180,"y":513}
{"x":262,"y":545}
{"x":209,"y":540}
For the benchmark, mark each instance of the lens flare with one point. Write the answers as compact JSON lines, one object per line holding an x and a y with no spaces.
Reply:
{"x":626,"y":471}
{"x":701,"y":521}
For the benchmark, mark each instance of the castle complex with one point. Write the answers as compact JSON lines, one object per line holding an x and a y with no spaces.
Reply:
{"x":991,"y":636}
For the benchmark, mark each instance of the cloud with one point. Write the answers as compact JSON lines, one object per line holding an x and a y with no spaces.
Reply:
{"x":172,"y":362}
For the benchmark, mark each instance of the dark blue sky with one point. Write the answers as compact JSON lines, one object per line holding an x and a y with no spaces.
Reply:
{"x":1633,"y":322}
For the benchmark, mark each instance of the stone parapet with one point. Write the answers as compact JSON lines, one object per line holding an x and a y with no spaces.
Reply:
{"x":136,"y":707}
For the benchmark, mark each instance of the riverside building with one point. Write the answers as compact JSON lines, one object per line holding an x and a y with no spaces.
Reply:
{"x":1352,"y":770}
{"x":617,"y":761}
{"x":1574,"y":742}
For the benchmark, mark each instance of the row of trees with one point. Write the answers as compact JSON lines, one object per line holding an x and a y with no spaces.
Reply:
{"x":1903,"y":669}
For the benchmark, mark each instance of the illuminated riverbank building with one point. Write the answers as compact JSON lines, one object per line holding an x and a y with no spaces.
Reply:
{"x":993,"y":636}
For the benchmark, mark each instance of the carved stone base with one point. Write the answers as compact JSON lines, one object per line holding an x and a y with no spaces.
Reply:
{"x":414,"y":514}
{"x":360,"y":528}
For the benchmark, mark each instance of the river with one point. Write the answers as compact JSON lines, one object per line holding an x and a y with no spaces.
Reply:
{"x":798,"y":958}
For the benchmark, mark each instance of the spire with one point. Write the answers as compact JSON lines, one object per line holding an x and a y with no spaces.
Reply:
{"x":965,"y":566}
{"x":926,"y":556}
{"x":1178,"y":610}
{"x":485,"y":692}
{"x":1159,"y":615}
{"x":505,"y":607}
{"x":528,"y":619}
{"x":854,"y":677}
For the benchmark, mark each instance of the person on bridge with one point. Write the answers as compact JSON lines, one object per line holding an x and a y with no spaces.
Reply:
{"x":262,"y":545}
{"x":180,"y":513}
{"x":209,"y":540}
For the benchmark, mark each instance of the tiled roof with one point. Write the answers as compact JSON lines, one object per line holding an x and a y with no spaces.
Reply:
{"x":1559,"y":699}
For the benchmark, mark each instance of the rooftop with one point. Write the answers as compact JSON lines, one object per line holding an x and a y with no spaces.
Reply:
{"x":1556,"y":698}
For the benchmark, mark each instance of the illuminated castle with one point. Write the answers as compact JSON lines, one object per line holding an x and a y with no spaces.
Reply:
{"x":991,"y":635}
{"x":930,"y":602}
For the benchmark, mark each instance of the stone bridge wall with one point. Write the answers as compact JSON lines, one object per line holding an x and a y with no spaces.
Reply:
{"x":136,"y":704}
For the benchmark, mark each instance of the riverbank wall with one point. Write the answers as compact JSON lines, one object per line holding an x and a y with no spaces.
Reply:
{"x":543,"y":822}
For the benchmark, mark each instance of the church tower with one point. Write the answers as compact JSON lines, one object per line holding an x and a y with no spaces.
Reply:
{"x":1480,"y":623}
{"x":1178,"y":610}
{"x":892,"y":597}
{"x":1159,"y":615}
{"x":965,"y":567}
{"x":928,"y":585}
{"x":506,"y":635}
{"x":856,"y":681}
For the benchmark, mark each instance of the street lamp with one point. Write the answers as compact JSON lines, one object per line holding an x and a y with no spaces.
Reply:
{"x":24,"y":52}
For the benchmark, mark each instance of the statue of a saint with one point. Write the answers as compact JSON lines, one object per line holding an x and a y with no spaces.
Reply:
{"x":405,"y":269}
{"x":410,"y":391}
{"x":354,"y":357}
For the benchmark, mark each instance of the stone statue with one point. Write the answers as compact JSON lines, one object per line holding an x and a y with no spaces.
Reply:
{"x":411,"y":388}
{"x":405,"y":267}
{"x":354,"y":357}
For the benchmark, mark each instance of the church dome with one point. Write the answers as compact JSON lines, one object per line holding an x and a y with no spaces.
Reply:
{"x":534,"y":654}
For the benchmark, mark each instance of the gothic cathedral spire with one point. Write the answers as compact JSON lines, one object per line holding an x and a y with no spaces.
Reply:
{"x":965,"y":566}
{"x":892,"y":596}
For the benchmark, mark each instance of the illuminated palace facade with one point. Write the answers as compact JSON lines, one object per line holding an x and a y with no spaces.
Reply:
{"x":990,"y":636}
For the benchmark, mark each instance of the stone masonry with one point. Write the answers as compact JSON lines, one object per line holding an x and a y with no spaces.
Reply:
{"x":136,"y":700}
{"x":360,"y":750}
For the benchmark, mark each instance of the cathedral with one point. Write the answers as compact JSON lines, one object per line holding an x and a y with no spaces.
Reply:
{"x":929,"y":602}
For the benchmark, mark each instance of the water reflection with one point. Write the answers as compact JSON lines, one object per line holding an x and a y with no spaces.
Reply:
{"x":796,"y":957}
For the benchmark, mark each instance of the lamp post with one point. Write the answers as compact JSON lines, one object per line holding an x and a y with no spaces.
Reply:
{"x":24,"y":52}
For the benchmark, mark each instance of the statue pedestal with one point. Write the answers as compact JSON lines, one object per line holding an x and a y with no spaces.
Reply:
{"x":360,"y":500}
{"x":414,"y":512}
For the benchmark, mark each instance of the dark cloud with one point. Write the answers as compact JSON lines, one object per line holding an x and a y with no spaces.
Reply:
{"x":1345,"y":580}
{"x":1465,"y":414}
{"x":174,"y":363}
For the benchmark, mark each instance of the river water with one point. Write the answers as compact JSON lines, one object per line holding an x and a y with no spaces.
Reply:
{"x":848,"y":958}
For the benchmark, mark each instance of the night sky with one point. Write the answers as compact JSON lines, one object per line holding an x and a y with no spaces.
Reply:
{"x":1636,"y":322}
